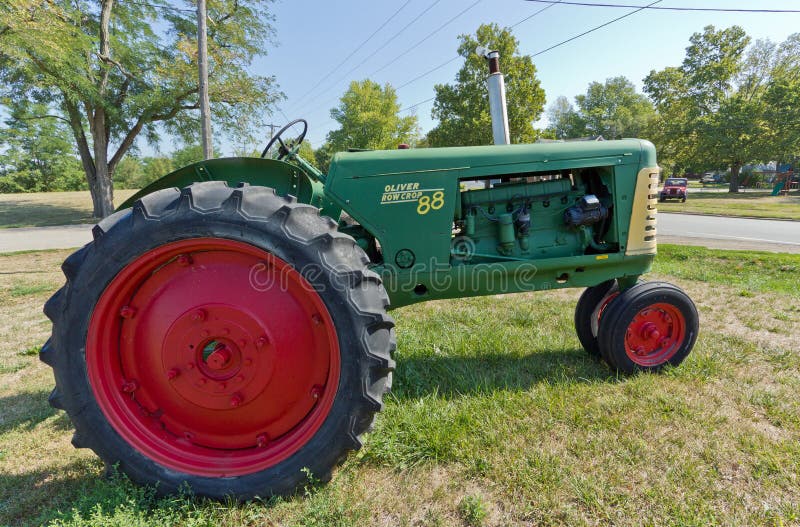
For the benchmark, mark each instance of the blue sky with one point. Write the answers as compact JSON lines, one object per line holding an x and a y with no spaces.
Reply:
{"x":313,"y":36}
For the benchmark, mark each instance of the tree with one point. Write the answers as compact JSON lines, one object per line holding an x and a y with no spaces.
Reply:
{"x":115,"y":71}
{"x":38,"y":155}
{"x":712,"y":109}
{"x":368,"y":118}
{"x":611,"y":109}
{"x":565,"y":123}
{"x":462,"y":109}
{"x":782,"y":100}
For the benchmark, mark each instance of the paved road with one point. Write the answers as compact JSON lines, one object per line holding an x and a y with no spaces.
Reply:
{"x":729,"y":233}
{"x":36,"y":238}
{"x":691,"y":229}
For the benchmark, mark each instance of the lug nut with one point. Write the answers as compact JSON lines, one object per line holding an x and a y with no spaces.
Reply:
{"x":641,"y":351}
{"x":190,"y":365}
{"x":262,"y":440}
{"x":184,"y":260}
{"x":248,"y":362}
{"x":130,"y":386}
{"x":242,"y":343}
{"x":316,"y":391}
{"x":240,"y":378}
{"x":174,"y":372}
{"x":262,"y":341}
{"x":199,"y":315}
{"x":127,"y":312}
{"x":316,"y":319}
{"x":236,"y":400}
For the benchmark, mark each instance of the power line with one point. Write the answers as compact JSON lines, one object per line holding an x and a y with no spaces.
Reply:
{"x":662,"y":8}
{"x":418,"y":77}
{"x":386,"y":43}
{"x":545,"y":8}
{"x":429,"y":35}
{"x":442,"y":65}
{"x":358,"y":48}
{"x":626,"y":15}
{"x":534,"y":55}
{"x":415,"y":105}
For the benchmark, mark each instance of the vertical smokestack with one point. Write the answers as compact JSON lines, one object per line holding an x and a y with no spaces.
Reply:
{"x":497,"y":97}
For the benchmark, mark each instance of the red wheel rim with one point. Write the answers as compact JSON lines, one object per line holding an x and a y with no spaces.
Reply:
{"x":655,"y":335}
{"x":213,"y":357}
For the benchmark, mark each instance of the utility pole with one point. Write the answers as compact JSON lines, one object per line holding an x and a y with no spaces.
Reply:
{"x":202,"y":66}
{"x":272,"y":128}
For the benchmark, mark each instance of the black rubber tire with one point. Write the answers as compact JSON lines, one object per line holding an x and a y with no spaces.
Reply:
{"x":294,"y":232}
{"x":620,"y":312}
{"x":586,"y":314}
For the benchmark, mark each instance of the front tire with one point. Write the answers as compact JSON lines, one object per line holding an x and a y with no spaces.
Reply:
{"x":226,"y":338}
{"x":647,"y":327}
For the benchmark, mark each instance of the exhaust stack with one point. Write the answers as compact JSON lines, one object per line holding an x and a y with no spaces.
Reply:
{"x":497,"y":97}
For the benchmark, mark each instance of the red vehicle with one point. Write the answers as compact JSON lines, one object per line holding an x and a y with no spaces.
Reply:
{"x":674,"y":188}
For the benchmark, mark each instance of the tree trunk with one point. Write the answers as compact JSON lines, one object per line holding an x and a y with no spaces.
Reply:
{"x":734,"y":184}
{"x":102,"y":189}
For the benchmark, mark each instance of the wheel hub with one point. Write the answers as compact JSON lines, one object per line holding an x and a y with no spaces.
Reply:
{"x":655,"y":334}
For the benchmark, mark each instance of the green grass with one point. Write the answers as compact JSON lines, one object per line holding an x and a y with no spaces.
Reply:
{"x":750,"y":271}
{"x":50,"y":208}
{"x":497,"y":417}
{"x":755,"y":204}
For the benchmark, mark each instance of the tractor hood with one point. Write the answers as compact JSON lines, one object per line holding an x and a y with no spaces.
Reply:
{"x":482,"y":160}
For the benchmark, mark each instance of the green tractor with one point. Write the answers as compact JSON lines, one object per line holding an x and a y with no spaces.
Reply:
{"x":228,"y":327}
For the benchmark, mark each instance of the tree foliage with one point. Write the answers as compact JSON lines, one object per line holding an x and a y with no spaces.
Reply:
{"x":729,"y":103}
{"x":38,"y":155}
{"x":462,"y":109}
{"x":368,"y":118}
{"x":612,"y":109}
{"x":118,"y":70}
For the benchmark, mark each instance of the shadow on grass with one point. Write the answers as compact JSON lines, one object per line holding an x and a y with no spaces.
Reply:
{"x":24,"y":410}
{"x":451,"y":377}
{"x":36,"y":496}
{"x":31,"y":214}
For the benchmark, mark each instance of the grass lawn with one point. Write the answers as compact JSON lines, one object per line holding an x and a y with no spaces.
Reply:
{"x":758,"y":204}
{"x":50,"y":208}
{"x":497,"y":417}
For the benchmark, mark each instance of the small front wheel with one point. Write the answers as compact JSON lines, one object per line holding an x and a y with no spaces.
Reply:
{"x":648,"y":326}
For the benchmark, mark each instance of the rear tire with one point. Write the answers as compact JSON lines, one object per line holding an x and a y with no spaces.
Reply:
{"x":647,"y":327}
{"x":177,"y":363}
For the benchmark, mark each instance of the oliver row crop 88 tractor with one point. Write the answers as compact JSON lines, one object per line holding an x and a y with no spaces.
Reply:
{"x":227,"y":327}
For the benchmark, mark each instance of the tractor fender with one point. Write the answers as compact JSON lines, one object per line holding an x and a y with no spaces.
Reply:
{"x":285,"y":178}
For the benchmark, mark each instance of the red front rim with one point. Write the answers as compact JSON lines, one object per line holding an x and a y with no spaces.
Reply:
{"x":655,"y":335}
{"x":213,"y":357}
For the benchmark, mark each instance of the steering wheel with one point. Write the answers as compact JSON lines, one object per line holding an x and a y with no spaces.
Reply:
{"x":293,"y":146}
